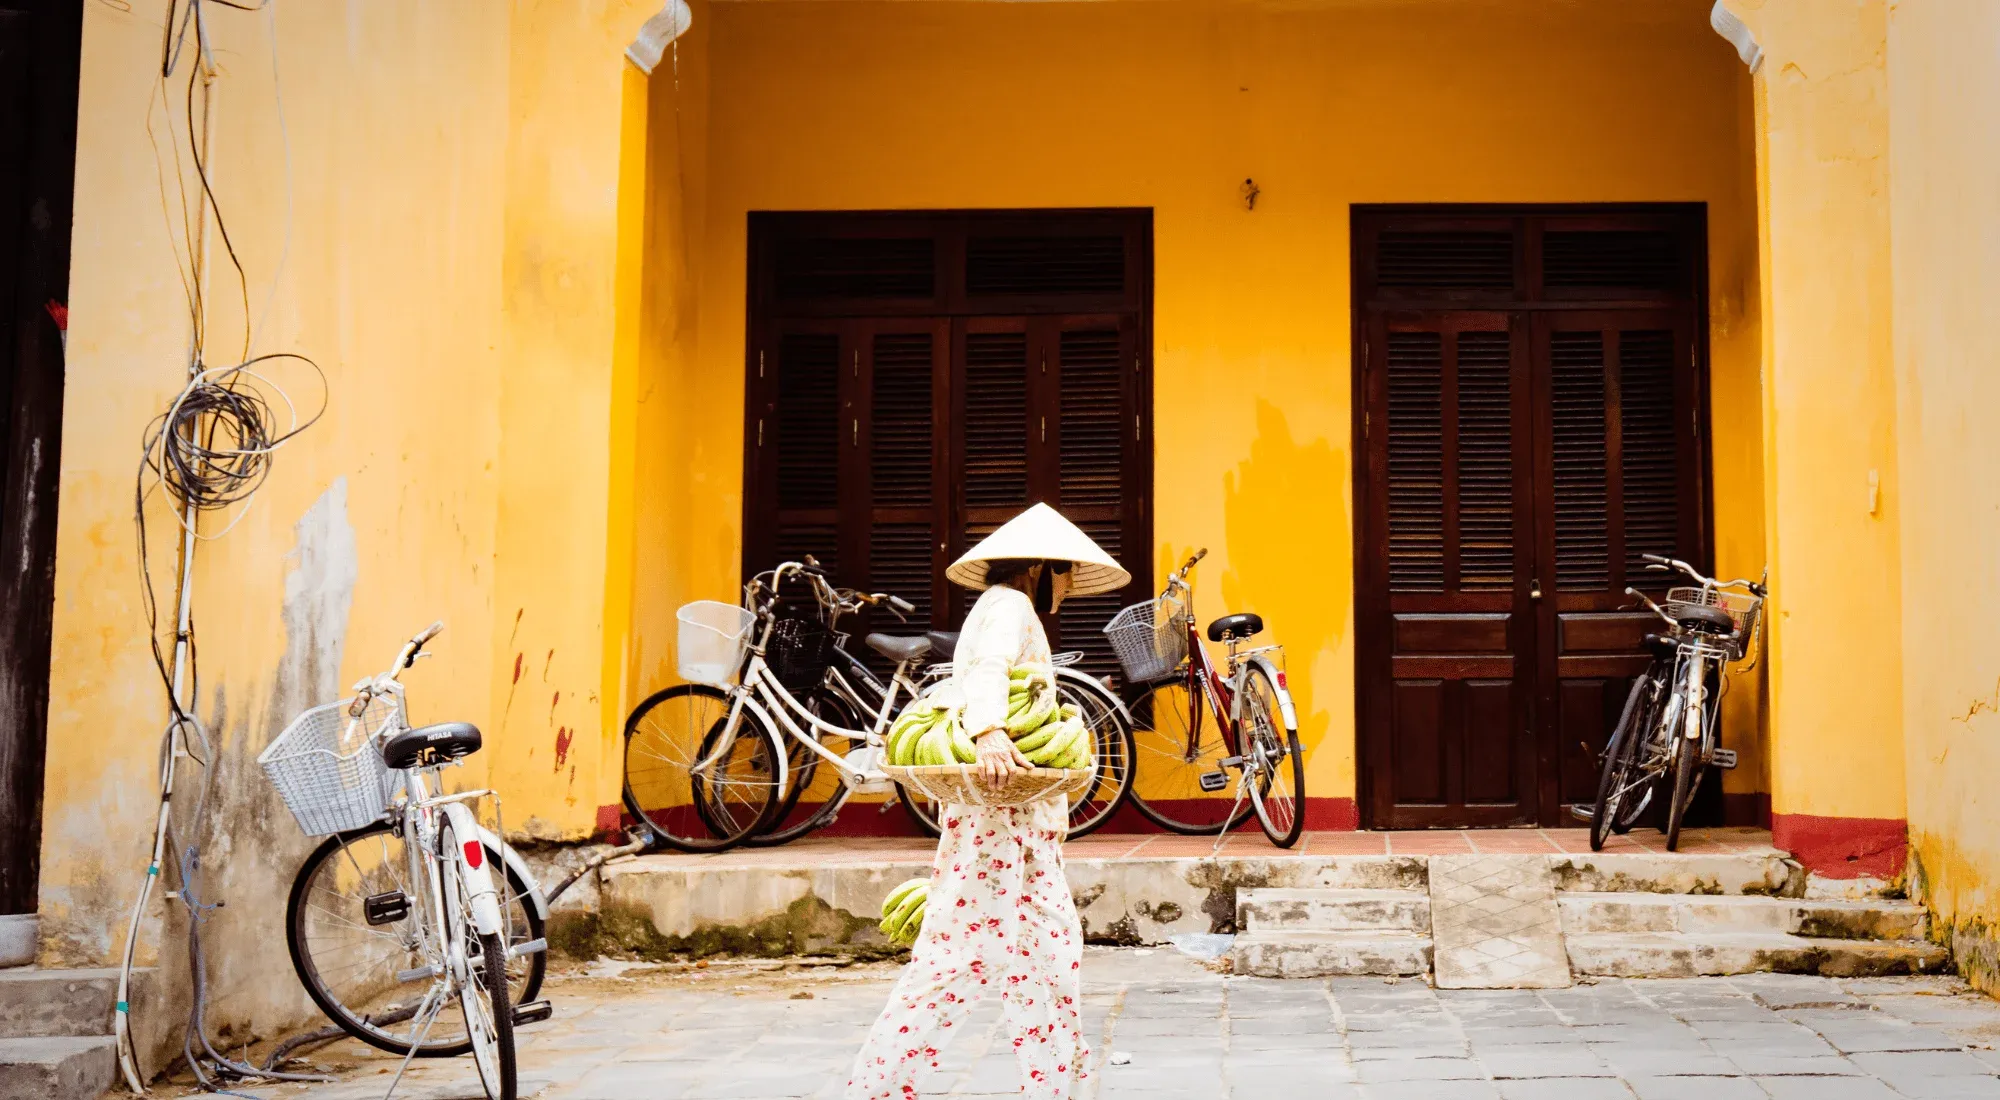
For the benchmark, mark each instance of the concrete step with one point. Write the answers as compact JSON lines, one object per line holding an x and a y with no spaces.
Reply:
{"x":1298,"y":954}
{"x":1280,"y":910}
{"x":35,"y":1002}
{"x":1767,"y":873}
{"x":56,"y":1068}
{"x":1693,"y":954}
{"x":1846,"y":919}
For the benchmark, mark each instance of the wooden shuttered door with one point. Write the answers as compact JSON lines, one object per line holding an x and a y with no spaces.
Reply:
{"x":996,"y":361}
{"x":1528,"y":419}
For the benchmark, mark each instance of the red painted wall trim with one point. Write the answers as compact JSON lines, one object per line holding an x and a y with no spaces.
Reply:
{"x":1843,"y":847}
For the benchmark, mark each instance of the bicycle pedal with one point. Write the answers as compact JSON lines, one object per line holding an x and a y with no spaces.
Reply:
{"x":532,"y":1012}
{"x":1723,"y":758}
{"x":386,"y":908}
{"x":1212,"y":782}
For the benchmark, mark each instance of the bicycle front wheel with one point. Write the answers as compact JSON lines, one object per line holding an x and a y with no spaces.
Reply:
{"x":813,"y":793}
{"x":348,"y":963}
{"x":693,"y":798}
{"x":1278,"y":791}
{"x":1111,"y":748}
{"x":482,"y":983}
{"x":1176,"y":741}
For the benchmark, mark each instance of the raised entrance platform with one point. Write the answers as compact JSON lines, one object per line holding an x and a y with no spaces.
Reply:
{"x":1340,"y":903}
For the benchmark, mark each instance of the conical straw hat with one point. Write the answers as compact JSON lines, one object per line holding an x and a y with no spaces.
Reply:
{"x":1042,"y":534}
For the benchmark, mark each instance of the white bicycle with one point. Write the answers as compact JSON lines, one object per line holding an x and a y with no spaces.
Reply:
{"x":390,"y":904}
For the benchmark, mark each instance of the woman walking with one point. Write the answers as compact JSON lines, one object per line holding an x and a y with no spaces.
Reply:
{"x":999,"y":918}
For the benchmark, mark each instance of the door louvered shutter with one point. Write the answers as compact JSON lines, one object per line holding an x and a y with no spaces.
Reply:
{"x":1416,"y":461}
{"x":903,"y":509}
{"x":995,"y":421}
{"x":808,"y":448}
{"x":1094,"y":419}
{"x":1577,"y":449}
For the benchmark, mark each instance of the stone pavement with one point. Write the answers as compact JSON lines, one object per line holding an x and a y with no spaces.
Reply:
{"x":743,"y":1031}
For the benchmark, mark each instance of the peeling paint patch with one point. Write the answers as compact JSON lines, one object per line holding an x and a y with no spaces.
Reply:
{"x":319,"y":591}
{"x":564,"y":736}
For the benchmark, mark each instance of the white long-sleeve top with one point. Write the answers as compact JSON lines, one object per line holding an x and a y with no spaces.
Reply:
{"x":1000,"y":633}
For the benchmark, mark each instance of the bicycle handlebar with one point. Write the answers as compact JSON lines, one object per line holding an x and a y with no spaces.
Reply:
{"x":405,"y":658}
{"x":1655,"y":561}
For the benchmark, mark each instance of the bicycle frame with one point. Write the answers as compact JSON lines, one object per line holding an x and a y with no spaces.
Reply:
{"x":1221,"y":688}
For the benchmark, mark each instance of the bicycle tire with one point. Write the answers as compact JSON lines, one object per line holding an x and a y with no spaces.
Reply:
{"x":805,"y":767}
{"x":1687,"y":775}
{"x":923,"y":812}
{"x":493,"y":990}
{"x":1111,"y":754}
{"x":1176,"y":798}
{"x":530,"y":968}
{"x":1619,"y":757}
{"x":669,"y":745}
{"x":1279,"y":796}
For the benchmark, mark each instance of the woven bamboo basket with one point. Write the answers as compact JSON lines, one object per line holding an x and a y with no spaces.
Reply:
{"x":961,"y":784}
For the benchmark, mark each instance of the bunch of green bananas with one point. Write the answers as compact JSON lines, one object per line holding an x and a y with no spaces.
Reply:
{"x":1049,"y":734}
{"x":903,"y":911}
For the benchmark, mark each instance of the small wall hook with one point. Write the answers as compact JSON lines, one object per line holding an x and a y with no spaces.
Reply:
{"x":1250,"y":193}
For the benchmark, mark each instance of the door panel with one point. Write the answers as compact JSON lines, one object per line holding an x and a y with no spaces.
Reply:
{"x":1449,"y":464}
{"x":1617,"y":457}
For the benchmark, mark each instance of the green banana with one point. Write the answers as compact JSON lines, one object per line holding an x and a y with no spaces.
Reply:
{"x":961,"y":744}
{"x":901,"y":892}
{"x":1058,"y":746}
{"x":1041,"y":736}
{"x":935,"y":748}
{"x":1036,"y":714}
{"x":898,"y":746}
{"x":893,"y":923}
{"x":1018,"y":702}
{"x":907,"y":934}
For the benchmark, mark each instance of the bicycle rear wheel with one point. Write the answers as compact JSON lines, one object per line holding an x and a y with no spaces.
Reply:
{"x":1176,"y":741}
{"x":728,"y":799}
{"x":1111,"y":747}
{"x":349,"y":965}
{"x":1278,"y":793}
{"x":1616,"y":792}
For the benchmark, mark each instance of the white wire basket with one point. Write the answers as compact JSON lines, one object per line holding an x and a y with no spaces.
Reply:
{"x":1149,"y":638}
{"x":328,"y":766}
{"x":713,"y":637}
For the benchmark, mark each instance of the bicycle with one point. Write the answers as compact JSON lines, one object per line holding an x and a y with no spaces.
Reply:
{"x":1194,"y":723}
{"x":1667,"y":734}
{"x":403,"y":889}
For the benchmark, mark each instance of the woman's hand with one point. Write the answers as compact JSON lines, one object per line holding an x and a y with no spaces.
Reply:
{"x":999,"y":760}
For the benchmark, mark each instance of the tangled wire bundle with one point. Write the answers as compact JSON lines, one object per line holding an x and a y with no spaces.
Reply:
{"x":212,"y":448}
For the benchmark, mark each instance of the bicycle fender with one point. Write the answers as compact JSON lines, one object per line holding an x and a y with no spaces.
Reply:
{"x":534,"y":899}
{"x":1285,"y":707}
{"x":478,"y":880}
{"x":1093,"y":684}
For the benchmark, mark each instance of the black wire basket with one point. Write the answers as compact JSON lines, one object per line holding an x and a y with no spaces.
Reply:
{"x":798,"y":653}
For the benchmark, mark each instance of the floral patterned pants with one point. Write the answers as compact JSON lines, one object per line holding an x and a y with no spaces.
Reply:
{"x":999,"y":918}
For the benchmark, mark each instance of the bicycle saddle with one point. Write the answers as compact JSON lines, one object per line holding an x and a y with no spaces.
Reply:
{"x":427,"y":746}
{"x":943,"y":642}
{"x":1707,"y":620}
{"x":898,"y":649}
{"x":1237,"y":626}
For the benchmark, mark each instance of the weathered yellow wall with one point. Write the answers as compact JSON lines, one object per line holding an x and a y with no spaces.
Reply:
{"x":1170,"y":106}
{"x":1944,"y":215}
{"x":1830,"y":414}
{"x":438,"y":223}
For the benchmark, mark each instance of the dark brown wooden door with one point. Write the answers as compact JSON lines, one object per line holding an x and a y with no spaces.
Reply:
{"x":1528,"y":417}
{"x":917,"y":380}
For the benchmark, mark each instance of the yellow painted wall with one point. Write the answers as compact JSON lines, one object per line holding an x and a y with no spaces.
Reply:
{"x":435,"y":218}
{"x":1944,"y":214}
{"x":1170,"y":106}
{"x":1830,"y":411}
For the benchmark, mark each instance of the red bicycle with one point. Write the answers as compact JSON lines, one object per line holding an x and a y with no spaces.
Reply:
{"x":1195,"y":723}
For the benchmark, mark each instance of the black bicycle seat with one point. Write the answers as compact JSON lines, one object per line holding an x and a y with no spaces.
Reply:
{"x":427,"y":746}
{"x":1236,"y":626}
{"x":898,"y":649}
{"x":943,"y":643}
{"x":1706,"y":620}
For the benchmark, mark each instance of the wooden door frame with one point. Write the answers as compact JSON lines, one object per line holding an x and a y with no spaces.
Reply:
{"x":1373,"y":683}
